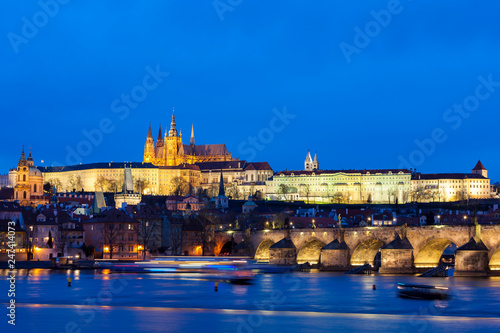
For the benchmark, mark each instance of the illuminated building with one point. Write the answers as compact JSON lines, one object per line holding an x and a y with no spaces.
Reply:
{"x":241,"y":178}
{"x":127,"y":195}
{"x":340,"y":186}
{"x":28,"y":188}
{"x":452,"y":186}
{"x":113,"y":233}
{"x":108,"y":177}
{"x":170,"y":151}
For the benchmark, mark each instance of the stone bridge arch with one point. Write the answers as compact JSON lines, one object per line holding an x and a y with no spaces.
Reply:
{"x":262,"y":252}
{"x":366,"y":251}
{"x":495,"y":259}
{"x":430,"y":252}
{"x":310,"y":251}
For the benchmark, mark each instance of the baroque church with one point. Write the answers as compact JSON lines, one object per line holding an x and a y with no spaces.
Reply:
{"x":28,"y":188}
{"x":170,"y":151}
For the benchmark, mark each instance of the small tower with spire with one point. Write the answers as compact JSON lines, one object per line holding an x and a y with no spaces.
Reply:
{"x":308,"y":162}
{"x":31,"y":163}
{"x":172,"y":143}
{"x":315,"y":163}
{"x":221,"y":201}
{"x":480,"y":169}
{"x":173,"y":126}
{"x":191,"y":142}
{"x":127,"y":196}
{"x":149,"y":147}
{"x":159,"y":139}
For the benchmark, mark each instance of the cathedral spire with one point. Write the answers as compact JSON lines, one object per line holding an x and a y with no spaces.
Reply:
{"x":308,"y":162}
{"x":221,"y":185}
{"x":149,"y":131}
{"x":159,"y":140}
{"x":23,"y":157}
{"x":192,"y":135}
{"x":315,"y":163}
{"x":173,"y":129}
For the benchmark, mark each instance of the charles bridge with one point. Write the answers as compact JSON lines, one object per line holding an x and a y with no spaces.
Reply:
{"x":396,"y":249}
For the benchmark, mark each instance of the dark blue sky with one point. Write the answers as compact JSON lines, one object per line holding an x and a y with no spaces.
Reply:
{"x":231,"y":66}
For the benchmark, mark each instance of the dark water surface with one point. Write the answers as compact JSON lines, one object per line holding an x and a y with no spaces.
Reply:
{"x":295,"y":302}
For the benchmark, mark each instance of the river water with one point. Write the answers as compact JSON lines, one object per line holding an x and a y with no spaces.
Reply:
{"x":292,"y":302}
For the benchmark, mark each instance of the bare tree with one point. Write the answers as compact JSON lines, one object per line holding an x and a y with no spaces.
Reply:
{"x":283,"y":190}
{"x":179,"y":186}
{"x":337,"y":197}
{"x":306,"y":189}
{"x":233,"y":191}
{"x":110,"y":233}
{"x":140,"y":185}
{"x":147,"y":231}
{"x":61,"y":240}
{"x":175,"y":237}
{"x":78,"y":184}
{"x":406,"y":196}
{"x":213,"y":191}
{"x":100,"y":183}
{"x":390,"y":193}
{"x":56,"y":183}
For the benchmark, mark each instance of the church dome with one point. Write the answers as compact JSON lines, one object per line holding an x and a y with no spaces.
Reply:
{"x":35,"y":172}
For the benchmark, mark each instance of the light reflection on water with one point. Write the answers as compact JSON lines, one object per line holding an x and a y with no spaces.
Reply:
{"x":321,"y":297}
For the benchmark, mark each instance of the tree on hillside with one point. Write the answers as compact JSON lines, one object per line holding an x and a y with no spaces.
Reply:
{"x":283,"y":190}
{"x":179,"y":186}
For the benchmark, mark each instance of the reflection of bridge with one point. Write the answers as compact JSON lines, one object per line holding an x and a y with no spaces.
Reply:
{"x":342,"y":249}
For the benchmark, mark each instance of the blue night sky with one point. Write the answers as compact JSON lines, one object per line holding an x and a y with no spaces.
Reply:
{"x":362,"y":100}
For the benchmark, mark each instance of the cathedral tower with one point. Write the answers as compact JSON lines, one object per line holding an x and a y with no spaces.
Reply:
{"x":315,"y":163}
{"x":149,"y":148}
{"x":192,"y":136}
{"x":173,"y":143}
{"x":308,"y":162}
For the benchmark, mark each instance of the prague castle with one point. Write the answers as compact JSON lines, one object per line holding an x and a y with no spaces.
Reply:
{"x":170,"y":151}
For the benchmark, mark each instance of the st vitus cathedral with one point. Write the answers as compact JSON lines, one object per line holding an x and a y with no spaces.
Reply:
{"x":170,"y":151}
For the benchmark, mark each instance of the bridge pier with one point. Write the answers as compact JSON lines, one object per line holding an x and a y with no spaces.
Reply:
{"x":397,"y":257}
{"x":471,"y":259}
{"x":335,"y":256}
{"x":283,"y":252}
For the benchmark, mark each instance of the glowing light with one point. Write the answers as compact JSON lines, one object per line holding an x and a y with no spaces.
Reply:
{"x":106,"y":249}
{"x":139,"y":247}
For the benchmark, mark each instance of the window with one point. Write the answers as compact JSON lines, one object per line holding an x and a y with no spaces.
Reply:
{"x":24,"y":178}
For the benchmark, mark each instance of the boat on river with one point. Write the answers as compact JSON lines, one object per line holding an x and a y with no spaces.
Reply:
{"x":420,"y":291}
{"x":233,"y":270}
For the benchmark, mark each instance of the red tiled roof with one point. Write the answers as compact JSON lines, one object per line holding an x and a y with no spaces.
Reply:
{"x":112,"y":215}
{"x":258,"y":166}
{"x":363,"y":172}
{"x":479,"y":166}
